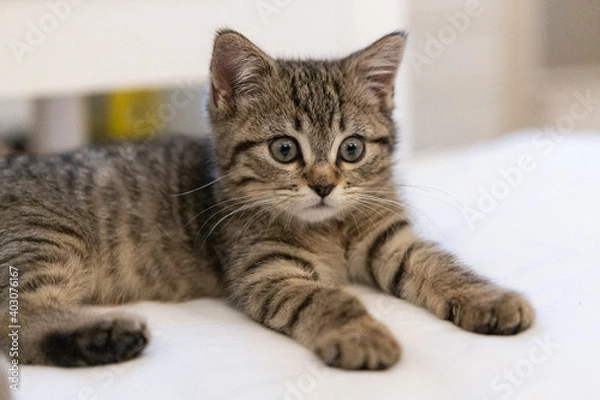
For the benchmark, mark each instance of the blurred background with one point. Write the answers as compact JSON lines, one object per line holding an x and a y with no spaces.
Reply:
{"x":79,"y":71}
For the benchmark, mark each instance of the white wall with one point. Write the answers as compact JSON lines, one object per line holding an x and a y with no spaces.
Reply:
{"x":471,"y":65}
{"x":69,"y":48}
{"x":478,"y":81}
{"x":100,"y":45}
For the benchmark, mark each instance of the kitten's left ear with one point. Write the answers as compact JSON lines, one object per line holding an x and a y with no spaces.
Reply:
{"x":377,"y":66}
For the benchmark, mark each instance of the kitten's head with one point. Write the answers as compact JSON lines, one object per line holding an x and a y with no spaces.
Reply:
{"x":311,"y":139}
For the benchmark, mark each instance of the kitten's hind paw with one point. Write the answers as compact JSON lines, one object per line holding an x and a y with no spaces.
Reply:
{"x":361,"y":344}
{"x":111,"y":339}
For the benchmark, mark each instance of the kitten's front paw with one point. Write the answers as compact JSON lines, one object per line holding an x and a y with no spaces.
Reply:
{"x":361,"y":344}
{"x":111,"y":339}
{"x":492,"y":311}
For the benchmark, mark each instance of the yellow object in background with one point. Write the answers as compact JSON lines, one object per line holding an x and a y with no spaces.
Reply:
{"x":126,"y":115}
{"x":130,"y":114}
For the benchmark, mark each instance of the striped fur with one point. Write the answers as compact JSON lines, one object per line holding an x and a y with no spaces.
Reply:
{"x":177,"y":218}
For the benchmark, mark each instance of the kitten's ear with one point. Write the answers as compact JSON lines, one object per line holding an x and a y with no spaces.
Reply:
{"x":376,"y":66}
{"x":237,"y":68}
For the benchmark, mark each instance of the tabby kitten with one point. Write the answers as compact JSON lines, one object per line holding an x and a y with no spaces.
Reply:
{"x":293,"y":198}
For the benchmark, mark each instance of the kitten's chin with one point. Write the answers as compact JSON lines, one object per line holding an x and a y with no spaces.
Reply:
{"x":317,"y":214}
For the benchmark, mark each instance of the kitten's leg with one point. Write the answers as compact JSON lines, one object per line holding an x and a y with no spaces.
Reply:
{"x":53,"y":327}
{"x":283,"y":293}
{"x":421,"y":273}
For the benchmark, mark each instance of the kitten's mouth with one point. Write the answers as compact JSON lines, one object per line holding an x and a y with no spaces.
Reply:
{"x":317,"y":212}
{"x":320,"y":205}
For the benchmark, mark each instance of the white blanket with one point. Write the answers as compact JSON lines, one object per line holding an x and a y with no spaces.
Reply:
{"x":522,"y":209}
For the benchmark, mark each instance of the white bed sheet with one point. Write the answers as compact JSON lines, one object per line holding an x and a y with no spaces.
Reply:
{"x":542,"y":238}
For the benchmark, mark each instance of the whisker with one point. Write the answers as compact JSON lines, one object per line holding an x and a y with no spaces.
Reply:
{"x":201,"y":187}
{"x":455,"y":203}
{"x":254,"y":218}
{"x":381,"y":201}
{"x":368,"y":206}
{"x":240,"y":199}
{"x":242,"y":208}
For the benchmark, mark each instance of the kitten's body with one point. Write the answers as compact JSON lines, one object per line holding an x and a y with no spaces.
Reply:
{"x":104,"y":226}
{"x":278,"y":235}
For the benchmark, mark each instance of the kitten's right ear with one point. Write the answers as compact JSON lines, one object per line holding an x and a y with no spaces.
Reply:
{"x":237,"y":68}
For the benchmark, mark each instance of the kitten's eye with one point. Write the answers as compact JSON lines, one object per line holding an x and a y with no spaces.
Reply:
{"x":352,"y":149}
{"x":284,"y":149}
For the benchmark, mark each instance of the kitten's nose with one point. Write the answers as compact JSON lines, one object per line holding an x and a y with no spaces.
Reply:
{"x":323,"y":190}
